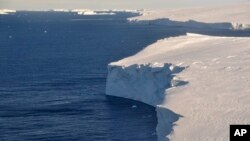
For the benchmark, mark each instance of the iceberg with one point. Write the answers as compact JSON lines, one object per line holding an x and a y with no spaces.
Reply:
{"x":6,"y":11}
{"x":61,"y":10}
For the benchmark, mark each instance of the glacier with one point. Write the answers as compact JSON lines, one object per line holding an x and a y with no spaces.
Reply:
{"x":207,"y":75}
{"x":199,"y":84}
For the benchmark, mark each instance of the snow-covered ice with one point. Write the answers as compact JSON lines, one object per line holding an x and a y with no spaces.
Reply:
{"x":211,"y":93}
{"x":199,"y":84}
{"x":233,"y":17}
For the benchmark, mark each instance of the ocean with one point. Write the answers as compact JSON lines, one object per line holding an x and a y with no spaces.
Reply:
{"x":53,"y":69}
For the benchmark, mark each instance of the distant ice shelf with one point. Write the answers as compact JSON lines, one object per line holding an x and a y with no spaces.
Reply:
{"x":97,"y":12}
{"x":234,"y":17}
{"x":192,"y":24}
{"x":82,"y":11}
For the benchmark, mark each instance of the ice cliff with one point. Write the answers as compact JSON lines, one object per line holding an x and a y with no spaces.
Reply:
{"x":142,"y":82}
{"x":146,"y":83}
{"x":199,"y":86}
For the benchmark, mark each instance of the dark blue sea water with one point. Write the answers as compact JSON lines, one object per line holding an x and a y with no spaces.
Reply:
{"x":53,"y":69}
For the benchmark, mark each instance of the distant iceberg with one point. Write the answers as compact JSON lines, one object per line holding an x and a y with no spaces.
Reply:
{"x":103,"y":12}
{"x":91,"y":12}
{"x":98,"y":12}
{"x":6,"y":11}
{"x":61,"y":10}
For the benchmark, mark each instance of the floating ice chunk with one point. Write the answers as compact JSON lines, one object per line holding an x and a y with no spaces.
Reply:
{"x":134,"y":106}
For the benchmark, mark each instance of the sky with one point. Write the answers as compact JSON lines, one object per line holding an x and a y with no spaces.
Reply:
{"x":110,"y":4}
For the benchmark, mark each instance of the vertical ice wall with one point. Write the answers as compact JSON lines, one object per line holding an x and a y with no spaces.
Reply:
{"x":146,"y":83}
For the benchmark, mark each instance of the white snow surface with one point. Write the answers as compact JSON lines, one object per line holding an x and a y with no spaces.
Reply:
{"x":232,"y":16}
{"x":199,"y":84}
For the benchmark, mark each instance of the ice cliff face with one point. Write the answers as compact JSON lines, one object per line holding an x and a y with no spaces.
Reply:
{"x":146,"y":83}
{"x":217,"y":93}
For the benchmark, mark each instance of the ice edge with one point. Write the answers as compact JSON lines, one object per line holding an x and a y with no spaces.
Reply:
{"x":192,"y":24}
{"x":147,"y":83}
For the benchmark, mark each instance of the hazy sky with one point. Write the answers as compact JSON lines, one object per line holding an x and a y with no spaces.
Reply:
{"x":110,"y":4}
